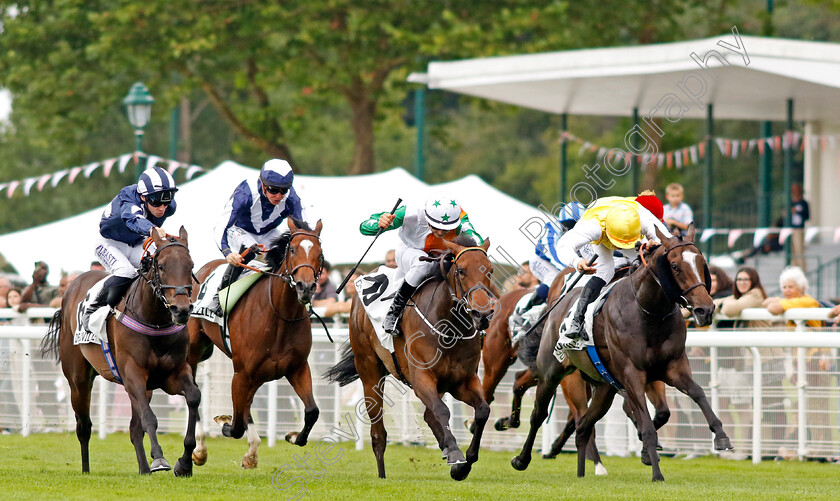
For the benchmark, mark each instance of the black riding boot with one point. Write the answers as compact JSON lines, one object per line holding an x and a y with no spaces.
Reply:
{"x":397,"y":307}
{"x":112,"y":291}
{"x":588,"y":294}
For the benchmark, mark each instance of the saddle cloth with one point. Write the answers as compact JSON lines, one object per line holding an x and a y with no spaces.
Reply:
{"x":519,"y":322}
{"x":227,"y":296}
{"x":97,"y":320}
{"x":377,"y":290}
{"x":592,"y":311}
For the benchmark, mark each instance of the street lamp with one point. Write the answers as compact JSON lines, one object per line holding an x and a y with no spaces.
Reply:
{"x":138,"y":107}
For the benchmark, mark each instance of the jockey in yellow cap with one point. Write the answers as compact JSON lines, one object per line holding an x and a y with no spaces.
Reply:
{"x":610,"y":224}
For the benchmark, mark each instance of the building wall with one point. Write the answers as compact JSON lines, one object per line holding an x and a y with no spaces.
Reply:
{"x":822,"y":177}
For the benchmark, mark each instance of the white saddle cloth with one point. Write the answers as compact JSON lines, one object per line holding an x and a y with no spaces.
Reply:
{"x":377,"y":290}
{"x":97,"y":322}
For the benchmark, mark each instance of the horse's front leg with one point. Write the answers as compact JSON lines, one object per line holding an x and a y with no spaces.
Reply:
{"x":184,"y":384}
{"x":472,"y":394}
{"x":425,"y":387}
{"x":135,"y":378}
{"x":301,"y":381}
{"x":678,"y":375}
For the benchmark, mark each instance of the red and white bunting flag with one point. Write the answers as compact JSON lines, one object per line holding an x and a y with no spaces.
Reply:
{"x":822,"y":143}
{"x":707,"y":234}
{"x":57,"y":176}
{"x":751,"y":145}
{"x":27,"y":184}
{"x":702,"y":148}
{"x":832,"y":142}
{"x":784,"y":234}
{"x":582,"y":148}
{"x":744,"y":144}
{"x":73,"y":173}
{"x":124,"y":159}
{"x":107,"y":165}
{"x":770,"y":142}
{"x":669,"y":159}
{"x":759,"y":236}
{"x":593,"y":148}
{"x":735,"y":147}
{"x":811,"y":233}
{"x":815,"y":142}
{"x":173,"y":166}
{"x":193,"y":170}
{"x":760,"y":146}
{"x":837,"y":235}
{"x":601,"y":152}
{"x":678,"y":159}
{"x":733,"y":236}
{"x":89,"y":168}
{"x":152,"y":161}
{"x":694,"y":157}
{"x":12,"y":187}
{"x":721,"y":145}
{"x":3,"y":187}
{"x":646,"y":159}
{"x":42,"y":181}
{"x":685,"y":156}
{"x":777,"y":140}
{"x":660,"y":160}
{"x":728,"y":144}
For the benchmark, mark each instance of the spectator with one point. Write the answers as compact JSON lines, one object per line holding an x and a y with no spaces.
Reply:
{"x":349,"y":292}
{"x":677,"y":213}
{"x":39,"y":292}
{"x":721,"y":285}
{"x":391,"y":259}
{"x":5,"y":285}
{"x":525,"y":279}
{"x":325,"y":291}
{"x":13,"y":298}
{"x":96,"y":266}
{"x":66,"y":278}
{"x":794,"y":284}
{"x":800,"y":213}
{"x":747,"y":293}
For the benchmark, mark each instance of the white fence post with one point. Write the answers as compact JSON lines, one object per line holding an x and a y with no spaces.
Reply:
{"x":272,"y":413}
{"x":26,"y":398}
{"x":802,"y":403}
{"x":102,"y":392}
{"x":756,"y":424}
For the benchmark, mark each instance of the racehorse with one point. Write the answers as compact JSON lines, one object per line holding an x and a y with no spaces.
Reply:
{"x":156,"y":303}
{"x":458,"y":302}
{"x":640,"y":339}
{"x":270,"y":335}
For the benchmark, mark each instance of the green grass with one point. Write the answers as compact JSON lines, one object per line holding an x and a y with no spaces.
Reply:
{"x":48,"y":466}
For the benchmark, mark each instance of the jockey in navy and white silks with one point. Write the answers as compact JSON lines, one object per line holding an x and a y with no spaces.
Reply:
{"x":254,"y":213}
{"x":545,"y":264}
{"x":131,"y":217}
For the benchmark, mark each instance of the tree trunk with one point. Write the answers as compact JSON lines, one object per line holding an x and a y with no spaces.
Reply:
{"x":364,"y":111}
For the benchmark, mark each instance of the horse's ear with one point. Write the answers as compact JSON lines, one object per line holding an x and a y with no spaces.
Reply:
{"x":691,"y":230}
{"x":661,"y":236}
{"x":182,"y":234}
{"x":156,"y":239}
{"x":292,"y":226}
{"x":486,"y":244}
{"x":318,"y":226}
{"x":452,"y":246}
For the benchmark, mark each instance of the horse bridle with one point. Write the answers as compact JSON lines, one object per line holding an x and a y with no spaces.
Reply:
{"x":684,"y":302}
{"x":288,"y":275}
{"x":463,"y":300}
{"x":155,"y":283}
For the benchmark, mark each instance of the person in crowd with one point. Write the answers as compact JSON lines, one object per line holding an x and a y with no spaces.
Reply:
{"x":13,"y":298}
{"x":525,"y":279}
{"x":721,"y":285}
{"x":678,"y":215}
{"x":325,"y":290}
{"x":66,"y":278}
{"x":133,"y":215}
{"x":96,"y":266}
{"x":391,"y":259}
{"x":253,"y":215}
{"x":349,"y":291}
{"x":421,"y":230}
{"x":39,"y":292}
{"x":5,"y":285}
{"x":794,"y":285}
{"x":799,"y":215}
{"x":747,"y":293}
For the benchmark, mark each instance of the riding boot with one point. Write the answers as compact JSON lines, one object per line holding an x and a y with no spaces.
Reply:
{"x":517,"y":323}
{"x":588,"y":294}
{"x":231,"y":275}
{"x":104,"y":297}
{"x":397,"y":307}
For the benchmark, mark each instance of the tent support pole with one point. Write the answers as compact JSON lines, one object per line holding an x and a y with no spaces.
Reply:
{"x":765,"y":179}
{"x":707,"y":174}
{"x":563,"y":161}
{"x":788,"y":175}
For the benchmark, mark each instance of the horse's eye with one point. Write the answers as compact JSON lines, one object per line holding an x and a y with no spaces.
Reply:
{"x":461,"y":272}
{"x":675,"y":267}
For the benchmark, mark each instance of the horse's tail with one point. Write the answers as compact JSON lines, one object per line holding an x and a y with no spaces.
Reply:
{"x":344,"y":372}
{"x":529,"y":346}
{"x":49,"y":345}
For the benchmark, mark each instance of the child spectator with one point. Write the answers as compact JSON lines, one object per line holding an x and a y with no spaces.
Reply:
{"x":677,"y":213}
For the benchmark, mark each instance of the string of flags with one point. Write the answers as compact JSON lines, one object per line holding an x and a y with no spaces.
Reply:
{"x":759,"y":234}
{"x":107,"y":166}
{"x":728,"y":147}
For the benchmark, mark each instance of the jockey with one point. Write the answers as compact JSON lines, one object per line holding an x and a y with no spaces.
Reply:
{"x":421,"y":229}
{"x":252,"y":216}
{"x":609,"y":224}
{"x":132,"y":216}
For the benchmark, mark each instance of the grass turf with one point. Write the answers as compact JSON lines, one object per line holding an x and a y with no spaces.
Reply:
{"x":48,"y":466}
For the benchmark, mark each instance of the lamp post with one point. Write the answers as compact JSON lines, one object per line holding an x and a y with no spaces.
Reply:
{"x":138,"y":107}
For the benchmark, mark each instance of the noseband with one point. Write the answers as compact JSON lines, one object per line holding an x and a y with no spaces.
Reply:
{"x":288,"y":275}
{"x":151,"y":261}
{"x":459,"y":296}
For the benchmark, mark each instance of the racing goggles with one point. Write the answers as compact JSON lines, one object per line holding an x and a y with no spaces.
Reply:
{"x":160,"y":198}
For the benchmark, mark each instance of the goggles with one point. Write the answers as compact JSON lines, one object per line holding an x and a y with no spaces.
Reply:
{"x":159,"y":198}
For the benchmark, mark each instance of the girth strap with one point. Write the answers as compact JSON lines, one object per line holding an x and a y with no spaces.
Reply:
{"x":399,"y":371}
{"x":602,"y":370}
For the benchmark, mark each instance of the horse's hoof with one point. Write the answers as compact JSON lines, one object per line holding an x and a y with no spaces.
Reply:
{"x":658,"y":445}
{"x":502,"y":424}
{"x":249,"y":462}
{"x":455,"y":457}
{"x":224,"y":422}
{"x":160,"y":464}
{"x":292,"y":436}
{"x":600,"y":469}
{"x":645,"y":457}
{"x":549,"y":456}
{"x":658,"y":478}
{"x":182,"y":471}
{"x":519,"y":464}
{"x":199,"y":457}
{"x":444,"y":453}
{"x":460,"y":471}
{"x":470,"y":425}
{"x":723,"y":444}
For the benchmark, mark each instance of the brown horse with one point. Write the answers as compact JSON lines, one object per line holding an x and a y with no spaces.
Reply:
{"x":270,"y":335}
{"x":157,"y":300}
{"x":433,"y":361}
{"x":640,"y":339}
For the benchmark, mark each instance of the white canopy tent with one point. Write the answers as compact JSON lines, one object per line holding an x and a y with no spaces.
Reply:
{"x":342,"y":203}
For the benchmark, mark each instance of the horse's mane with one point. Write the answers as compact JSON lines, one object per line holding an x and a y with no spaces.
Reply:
{"x":277,"y":252}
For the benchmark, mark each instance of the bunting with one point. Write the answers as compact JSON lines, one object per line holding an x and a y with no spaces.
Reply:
{"x":72,"y":173}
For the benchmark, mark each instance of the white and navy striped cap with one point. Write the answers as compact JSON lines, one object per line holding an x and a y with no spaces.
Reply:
{"x":155,"y":180}
{"x":277,"y":173}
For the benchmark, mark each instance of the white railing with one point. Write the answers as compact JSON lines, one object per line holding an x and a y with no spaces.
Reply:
{"x":783,"y":385}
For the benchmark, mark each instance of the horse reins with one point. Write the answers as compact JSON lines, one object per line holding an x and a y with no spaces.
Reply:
{"x":683,"y":293}
{"x":459,"y":288}
{"x":155,"y":283}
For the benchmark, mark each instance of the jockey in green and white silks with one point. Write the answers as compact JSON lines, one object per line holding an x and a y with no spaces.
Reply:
{"x":421,"y":230}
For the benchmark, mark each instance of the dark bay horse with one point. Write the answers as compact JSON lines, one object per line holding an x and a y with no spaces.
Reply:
{"x":459,"y":303}
{"x":640,"y":338}
{"x":159,"y":299}
{"x":270,"y":335}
